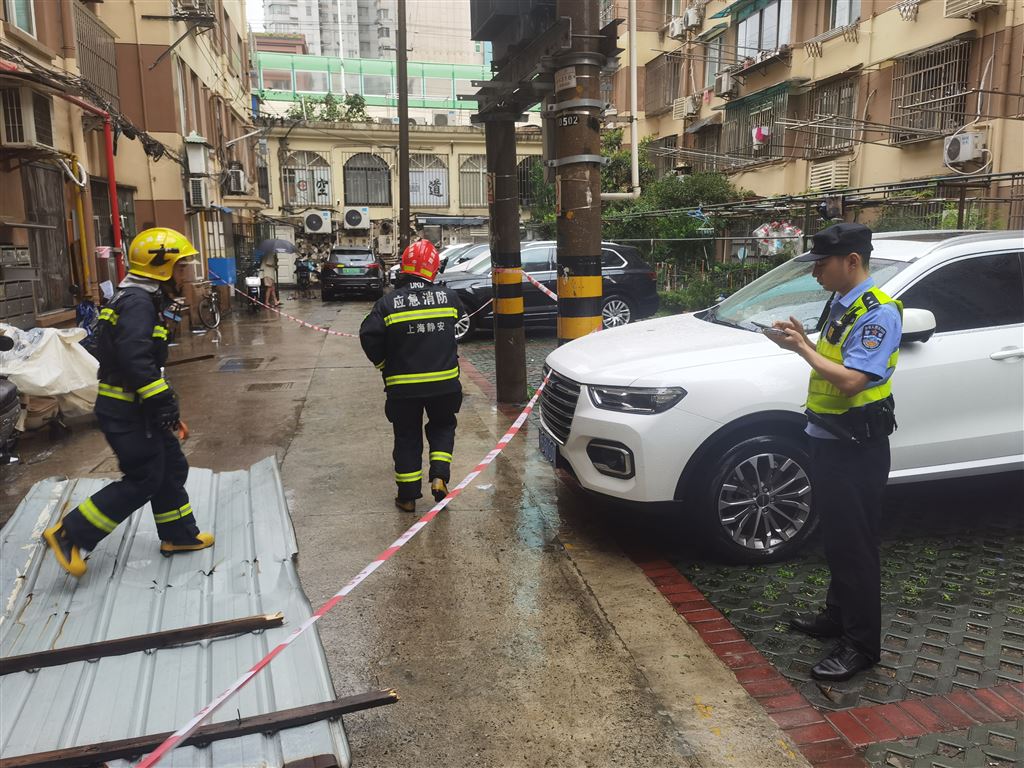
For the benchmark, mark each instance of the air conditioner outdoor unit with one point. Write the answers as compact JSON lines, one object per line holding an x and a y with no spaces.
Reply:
{"x":236,"y":181}
{"x":963,"y":147}
{"x":440,"y":119}
{"x":725,"y":84}
{"x":691,"y":18}
{"x":676,"y":28}
{"x":316,"y":222}
{"x":958,"y":9}
{"x":684,"y":107}
{"x":356,"y":218}
{"x":26,"y":118}
{"x":198,"y":192}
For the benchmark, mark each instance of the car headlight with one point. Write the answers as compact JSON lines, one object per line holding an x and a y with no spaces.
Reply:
{"x":636,"y":399}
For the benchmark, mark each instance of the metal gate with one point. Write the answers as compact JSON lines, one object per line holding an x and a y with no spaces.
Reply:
{"x":44,"y":205}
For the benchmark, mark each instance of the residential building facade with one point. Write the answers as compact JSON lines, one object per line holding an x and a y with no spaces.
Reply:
{"x":332,"y":169}
{"x":791,"y":97}
{"x":160,"y":83}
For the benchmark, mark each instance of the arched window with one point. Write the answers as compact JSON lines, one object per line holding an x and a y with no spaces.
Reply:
{"x":525,"y":174}
{"x":473,"y":181}
{"x":367,"y":180}
{"x":428,"y":181}
{"x":306,"y":180}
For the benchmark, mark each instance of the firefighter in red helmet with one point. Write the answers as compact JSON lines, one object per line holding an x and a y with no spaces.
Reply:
{"x":409,"y":336}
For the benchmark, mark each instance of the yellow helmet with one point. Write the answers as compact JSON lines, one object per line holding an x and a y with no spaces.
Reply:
{"x":154,"y":252}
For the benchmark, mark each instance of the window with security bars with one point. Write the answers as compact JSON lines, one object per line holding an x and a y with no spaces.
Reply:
{"x":831,"y":108}
{"x":662,"y":154}
{"x":306,"y":180}
{"x":524,"y":176}
{"x":473,"y":181}
{"x":367,"y":180}
{"x":741,"y":120}
{"x":607,"y":11}
{"x":929,"y":92}
{"x":706,"y":146}
{"x":428,"y":181}
{"x":661,"y":83}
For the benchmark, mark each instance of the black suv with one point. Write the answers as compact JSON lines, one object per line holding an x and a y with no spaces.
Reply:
{"x":629,"y":288}
{"x":351,"y":270}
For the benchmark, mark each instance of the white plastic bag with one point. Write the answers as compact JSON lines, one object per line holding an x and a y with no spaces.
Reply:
{"x":51,"y":362}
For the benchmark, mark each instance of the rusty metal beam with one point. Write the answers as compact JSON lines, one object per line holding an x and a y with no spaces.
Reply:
{"x":122,"y":645}
{"x":126,"y":749}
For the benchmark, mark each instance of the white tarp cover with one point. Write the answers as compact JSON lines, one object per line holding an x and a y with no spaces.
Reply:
{"x":49,"y":362}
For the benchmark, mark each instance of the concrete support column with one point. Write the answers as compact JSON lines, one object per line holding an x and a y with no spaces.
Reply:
{"x":507,"y":273}
{"x":577,"y":125}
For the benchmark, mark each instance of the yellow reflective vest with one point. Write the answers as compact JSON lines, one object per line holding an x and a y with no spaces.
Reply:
{"x":825,"y":397}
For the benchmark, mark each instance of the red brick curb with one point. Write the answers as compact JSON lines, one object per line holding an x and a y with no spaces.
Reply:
{"x":827,"y":739}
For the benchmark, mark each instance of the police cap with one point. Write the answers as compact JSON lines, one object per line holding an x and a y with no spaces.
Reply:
{"x":839,"y":240}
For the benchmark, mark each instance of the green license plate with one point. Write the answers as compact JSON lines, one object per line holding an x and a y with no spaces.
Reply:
{"x":352,"y":270}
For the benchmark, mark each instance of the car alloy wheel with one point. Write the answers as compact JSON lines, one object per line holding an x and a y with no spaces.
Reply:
{"x":615,"y":312}
{"x":764,"y":501}
{"x":463,"y":327}
{"x":757,"y":505}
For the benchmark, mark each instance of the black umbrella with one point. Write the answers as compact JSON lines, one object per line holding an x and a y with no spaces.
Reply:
{"x":275,"y":246}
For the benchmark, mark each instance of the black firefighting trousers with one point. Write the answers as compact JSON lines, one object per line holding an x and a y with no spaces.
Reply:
{"x":406,"y":417}
{"x":155,"y":470}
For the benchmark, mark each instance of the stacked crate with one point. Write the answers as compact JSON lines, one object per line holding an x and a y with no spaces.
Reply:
{"x":17,"y":276}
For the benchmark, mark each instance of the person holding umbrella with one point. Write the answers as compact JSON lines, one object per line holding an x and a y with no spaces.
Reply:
{"x":267,"y":252}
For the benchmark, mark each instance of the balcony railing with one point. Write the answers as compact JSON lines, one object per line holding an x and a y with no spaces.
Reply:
{"x":97,"y":59}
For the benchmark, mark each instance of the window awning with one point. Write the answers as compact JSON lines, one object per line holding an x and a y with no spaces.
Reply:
{"x":707,"y":122}
{"x":765,"y":93}
{"x":742,"y":8}
{"x":707,"y":34}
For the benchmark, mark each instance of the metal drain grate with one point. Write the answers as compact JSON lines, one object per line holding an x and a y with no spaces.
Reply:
{"x":269,"y":386}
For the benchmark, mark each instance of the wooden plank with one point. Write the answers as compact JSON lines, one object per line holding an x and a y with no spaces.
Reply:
{"x":126,"y":749}
{"x":122,"y":645}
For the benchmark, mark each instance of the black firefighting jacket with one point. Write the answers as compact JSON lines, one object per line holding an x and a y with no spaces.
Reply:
{"x":410,"y":336}
{"x":132,"y":348}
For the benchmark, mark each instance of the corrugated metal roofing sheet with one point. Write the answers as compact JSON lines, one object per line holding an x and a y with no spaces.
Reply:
{"x":130,"y":589}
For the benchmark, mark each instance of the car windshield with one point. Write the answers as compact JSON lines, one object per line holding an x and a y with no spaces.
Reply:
{"x":788,"y":290}
{"x":352,"y":256}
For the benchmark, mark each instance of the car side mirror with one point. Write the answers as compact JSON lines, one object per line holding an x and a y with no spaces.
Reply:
{"x":918,"y":325}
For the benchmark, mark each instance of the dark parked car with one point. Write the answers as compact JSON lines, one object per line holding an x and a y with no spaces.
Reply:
{"x":629,"y":288}
{"x":351,"y":270}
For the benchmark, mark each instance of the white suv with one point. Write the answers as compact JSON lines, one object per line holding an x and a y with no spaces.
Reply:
{"x":702,"y":416}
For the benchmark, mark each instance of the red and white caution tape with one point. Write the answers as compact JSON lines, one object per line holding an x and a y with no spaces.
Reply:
{"x":299,"y":320}
{"x":543,"y":288}
{"x":182,"y":733}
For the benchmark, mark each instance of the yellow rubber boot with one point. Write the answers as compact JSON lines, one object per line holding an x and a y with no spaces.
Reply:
{"x":405,"y":506}
{"x":201,"y":541}
{"x":68,"y":555}
{"x":439,"y":488}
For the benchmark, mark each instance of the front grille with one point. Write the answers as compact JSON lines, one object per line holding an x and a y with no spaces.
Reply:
{"x":558,"y":404}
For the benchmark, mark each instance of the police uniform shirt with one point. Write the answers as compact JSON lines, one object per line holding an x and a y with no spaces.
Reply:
{"x":872,"y":340}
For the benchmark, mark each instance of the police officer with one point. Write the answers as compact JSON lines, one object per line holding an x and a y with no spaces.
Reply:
{"x":850,"y":417}
{"x":410,"y":336}
{"x":137,"y":411}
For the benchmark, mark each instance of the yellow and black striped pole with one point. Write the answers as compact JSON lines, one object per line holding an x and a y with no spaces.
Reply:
{"x":575,"y":119}
{"x":506,"y":263}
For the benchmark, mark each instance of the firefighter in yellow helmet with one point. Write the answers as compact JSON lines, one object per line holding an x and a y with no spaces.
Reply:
{"x":137,"y":411}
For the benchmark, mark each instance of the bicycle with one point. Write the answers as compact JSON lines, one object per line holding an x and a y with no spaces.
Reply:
{"x":209,"y":305}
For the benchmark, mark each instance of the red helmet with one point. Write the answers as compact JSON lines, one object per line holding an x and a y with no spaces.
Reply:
{"x":421,"y":259}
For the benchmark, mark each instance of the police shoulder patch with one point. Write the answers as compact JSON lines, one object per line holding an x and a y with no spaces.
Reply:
{"x":871,"y":336}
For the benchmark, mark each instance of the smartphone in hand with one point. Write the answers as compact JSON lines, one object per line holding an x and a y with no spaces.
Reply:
{"x":767,"y":330}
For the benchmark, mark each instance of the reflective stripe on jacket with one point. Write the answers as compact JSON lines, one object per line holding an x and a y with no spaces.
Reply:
{"x":825,"y":397}
{"x":132,"y":349}
{"x":409,"y":336}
